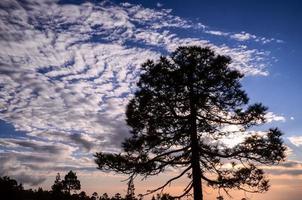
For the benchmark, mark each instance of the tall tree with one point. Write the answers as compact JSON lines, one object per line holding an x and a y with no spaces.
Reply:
{"x":71,"y":182}
{"x":179,"y":116}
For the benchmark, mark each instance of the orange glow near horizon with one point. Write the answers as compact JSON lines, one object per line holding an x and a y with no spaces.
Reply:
{"x":283,"y":187}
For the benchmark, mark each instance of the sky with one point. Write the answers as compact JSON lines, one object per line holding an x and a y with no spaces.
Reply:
{"x":68,"y":69}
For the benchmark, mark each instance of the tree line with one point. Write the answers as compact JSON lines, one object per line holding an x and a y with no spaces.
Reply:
{"x":64,"y":189}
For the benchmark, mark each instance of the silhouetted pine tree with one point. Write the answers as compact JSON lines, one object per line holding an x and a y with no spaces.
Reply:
{"x":57,"y":187}
{"x":71,"y":182}
{"x":178,"y":117}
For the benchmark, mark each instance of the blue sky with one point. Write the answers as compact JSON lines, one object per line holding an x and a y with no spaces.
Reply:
{"x":68,"y":69}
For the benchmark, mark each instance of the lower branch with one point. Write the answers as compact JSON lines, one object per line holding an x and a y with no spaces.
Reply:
{"x":168,"y":182}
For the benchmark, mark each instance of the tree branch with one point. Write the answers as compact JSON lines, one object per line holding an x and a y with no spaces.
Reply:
{"x":168,"y":182}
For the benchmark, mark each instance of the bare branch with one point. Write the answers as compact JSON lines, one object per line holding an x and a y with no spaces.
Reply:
{"x":168,"y":182}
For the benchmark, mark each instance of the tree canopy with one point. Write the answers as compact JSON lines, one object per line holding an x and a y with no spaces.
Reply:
{"x":181,"y":112}
{"x":71,"y":182}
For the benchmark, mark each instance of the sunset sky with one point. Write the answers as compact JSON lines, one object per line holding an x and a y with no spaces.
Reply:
{"x":68,"y":69}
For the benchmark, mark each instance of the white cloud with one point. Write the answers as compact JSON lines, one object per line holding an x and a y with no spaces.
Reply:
{"x":296,"y":140}
{"x":219,"y":33}
{"x":243,"y":36}
{"x":270,"y":117}
{"x":279,"y":41}
{"x":159,"y":4}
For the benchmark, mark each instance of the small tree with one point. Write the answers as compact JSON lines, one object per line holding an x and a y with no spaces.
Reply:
{"x":58,"y":185}
{"x":71,"y":182}
{"x":83,"y":196}
{"x":117,"y":196}
{"x":165,"y":196}
{"x":104,"y":197}
{"x":94,"y":196}
{"x":179,"y":117}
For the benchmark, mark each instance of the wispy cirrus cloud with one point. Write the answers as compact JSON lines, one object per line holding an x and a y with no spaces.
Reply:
{"x":68,"y":70}
{"x":296,"y":140}
{"x":243,"y":36}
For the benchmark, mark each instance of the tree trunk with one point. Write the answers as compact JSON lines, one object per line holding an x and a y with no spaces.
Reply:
{"x":196,"y":170}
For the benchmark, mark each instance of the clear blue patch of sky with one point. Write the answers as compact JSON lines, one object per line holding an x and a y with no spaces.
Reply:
{"x":7,"y":130}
